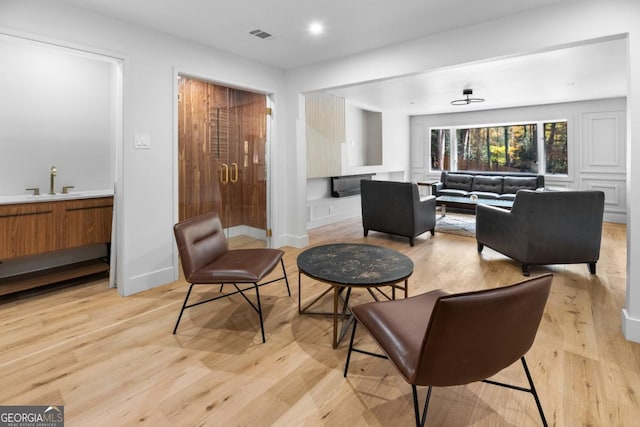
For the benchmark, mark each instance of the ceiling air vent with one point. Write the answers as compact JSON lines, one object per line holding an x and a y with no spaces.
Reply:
{"x":260,"y":34}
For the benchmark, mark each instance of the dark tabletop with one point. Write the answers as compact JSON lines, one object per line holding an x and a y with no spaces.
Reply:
{"x":354,"y":264}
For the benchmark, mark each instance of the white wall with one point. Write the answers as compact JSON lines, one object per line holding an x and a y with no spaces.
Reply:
{"x":55,"y":115}
{"x":363,"y":136}
{"x":555,"y":26}
{"x":146,"y":198}
{"x":147,"y":180}
{"x":595,"y":162}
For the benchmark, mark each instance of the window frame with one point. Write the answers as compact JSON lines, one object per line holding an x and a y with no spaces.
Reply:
{"x":542,"y":166}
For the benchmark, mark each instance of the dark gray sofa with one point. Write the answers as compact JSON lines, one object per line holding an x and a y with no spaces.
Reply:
{"x":396,"y":208}
{"x":547,"y":227}
{"x":486,"y":185}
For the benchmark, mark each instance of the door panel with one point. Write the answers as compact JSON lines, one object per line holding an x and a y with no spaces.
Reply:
{"x":222,"y":154}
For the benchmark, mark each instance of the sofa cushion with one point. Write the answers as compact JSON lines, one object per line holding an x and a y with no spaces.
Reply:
{"x":452,"y":192}
{"x":511,"y":184}
{"x":485,"y":194}
{"x":507,"y":196}
{"x":456,"y":181}
{"x":487,"y":184}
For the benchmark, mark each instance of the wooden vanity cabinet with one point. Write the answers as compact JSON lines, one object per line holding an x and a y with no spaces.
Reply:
{"x":40,"y":227}
{"x":87,"y":222}
{"x":27,"y":229}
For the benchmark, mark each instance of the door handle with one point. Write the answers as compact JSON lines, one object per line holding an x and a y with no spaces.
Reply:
{"x":224,"y":173}
{"x":234,"y":172}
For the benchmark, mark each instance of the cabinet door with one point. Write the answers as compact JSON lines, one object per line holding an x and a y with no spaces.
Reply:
{"x":26,"y":229}
{"x":87,"y":222}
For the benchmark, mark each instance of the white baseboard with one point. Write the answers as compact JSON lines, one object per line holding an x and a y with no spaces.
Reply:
{"x":146,"y":281}
{"x":630,"y":326}
{"x":293,"y":241}
{"x":319,"y":222}
{"x":617,"y":217}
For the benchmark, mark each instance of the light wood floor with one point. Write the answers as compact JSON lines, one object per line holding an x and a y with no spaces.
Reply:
{"x":112,"y":361}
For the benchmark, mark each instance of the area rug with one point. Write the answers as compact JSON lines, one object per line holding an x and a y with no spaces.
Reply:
{"x":463,"y":225}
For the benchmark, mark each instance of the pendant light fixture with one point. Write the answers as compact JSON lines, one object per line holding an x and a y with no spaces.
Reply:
{"x":467,"y":98}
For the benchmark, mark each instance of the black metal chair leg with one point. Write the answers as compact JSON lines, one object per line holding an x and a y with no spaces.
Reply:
{"x":184,"y":304}
{"x":286,"y":280}
{"x":416,"y":409}
{"x":264,"y":340}
{"x":353,"y":335}
{"x":534,"y":392}
{"x":420,"y":421}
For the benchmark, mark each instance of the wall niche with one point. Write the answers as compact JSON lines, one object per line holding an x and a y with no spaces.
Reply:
{"x":364,"y":136}
{"x":341,"y":135}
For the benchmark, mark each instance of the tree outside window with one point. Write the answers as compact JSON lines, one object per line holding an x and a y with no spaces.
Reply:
{"x":508,"y":148}
{"x":440,"y":149}
{"x":555,"y":148}
{"x":500,"y":148}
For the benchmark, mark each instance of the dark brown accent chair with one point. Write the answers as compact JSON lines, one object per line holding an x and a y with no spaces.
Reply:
{"x":438,"y":339}
{"x":545,"y":227}
{"x":396,"y":208}
{"x":206,"y":260}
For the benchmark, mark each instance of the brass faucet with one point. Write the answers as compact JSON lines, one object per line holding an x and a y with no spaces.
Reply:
{"x":54,"y":172}
{"x":36,"y":190}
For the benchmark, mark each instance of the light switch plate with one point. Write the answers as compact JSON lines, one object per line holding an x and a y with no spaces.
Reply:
{"x":141,"y":141}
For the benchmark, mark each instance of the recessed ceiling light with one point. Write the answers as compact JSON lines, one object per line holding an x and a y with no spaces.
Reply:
{"x":316,"y":28}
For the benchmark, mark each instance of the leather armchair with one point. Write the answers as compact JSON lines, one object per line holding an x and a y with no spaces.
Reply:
{"x":546,"y":227}
{"x":396,"y":208}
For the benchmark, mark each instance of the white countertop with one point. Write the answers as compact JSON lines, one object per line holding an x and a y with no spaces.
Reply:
{"x":72,"y":195}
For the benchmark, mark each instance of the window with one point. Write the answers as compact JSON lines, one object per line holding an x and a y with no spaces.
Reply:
{"x":555,"y":147}
{"x":440,"y":152}
{"x":509,"y":148}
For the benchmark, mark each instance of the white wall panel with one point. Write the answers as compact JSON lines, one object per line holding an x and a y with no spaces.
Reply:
{"x":603,"y":142}
{"x":418,"y":151}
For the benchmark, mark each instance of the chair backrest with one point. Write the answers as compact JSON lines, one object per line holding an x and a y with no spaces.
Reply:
{"x":200,"y":241}
{"x":389,"y":206}
{"x":561,"y":226}
{"x":472,"y":336}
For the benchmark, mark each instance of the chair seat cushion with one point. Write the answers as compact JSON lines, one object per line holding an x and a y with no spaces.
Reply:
{"x":398,"y":331}
{"x":238,"y":266}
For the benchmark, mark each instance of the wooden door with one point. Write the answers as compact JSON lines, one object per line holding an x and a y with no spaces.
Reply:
{"x":198,"y":159}
{"x":222,"y":153}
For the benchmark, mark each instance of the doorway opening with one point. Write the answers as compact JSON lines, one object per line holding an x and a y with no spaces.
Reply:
{"x":223,"y":135}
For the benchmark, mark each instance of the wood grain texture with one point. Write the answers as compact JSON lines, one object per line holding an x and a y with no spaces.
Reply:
{"x":113,"y":360}
{"x":222,"y":153}
{"x":325,"y":133}
{"x":35,"y":228}
{"x":27,"y":229}
{"x":87,"y":222}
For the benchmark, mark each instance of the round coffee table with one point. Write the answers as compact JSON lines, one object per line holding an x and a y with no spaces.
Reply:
{"x":352,"y":265}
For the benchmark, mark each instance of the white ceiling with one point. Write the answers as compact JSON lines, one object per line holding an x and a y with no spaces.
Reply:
{"x":590,"y":71}
{"x":353,"y":26}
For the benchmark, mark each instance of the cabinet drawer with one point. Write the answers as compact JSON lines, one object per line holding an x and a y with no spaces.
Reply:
{"x":87,"y":222}
{"x":26,"y":229}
